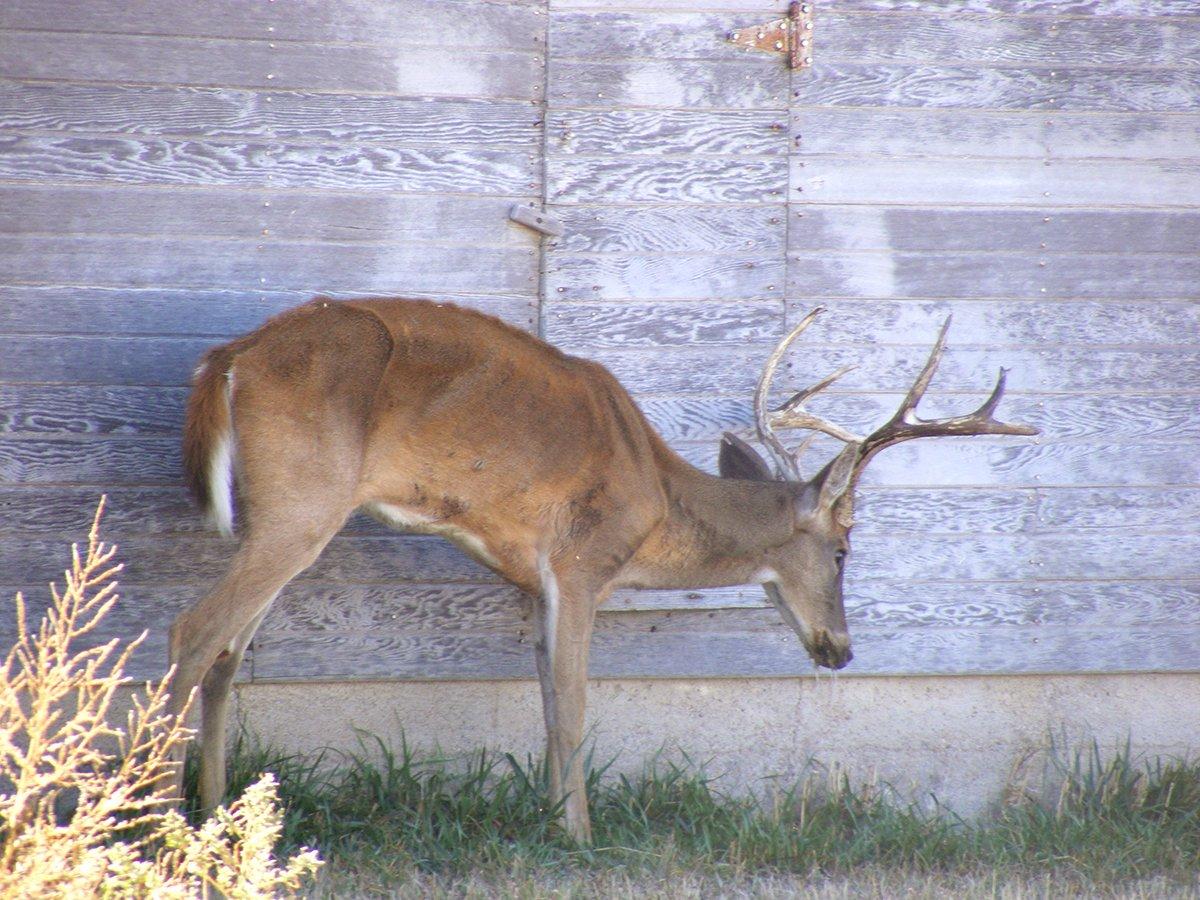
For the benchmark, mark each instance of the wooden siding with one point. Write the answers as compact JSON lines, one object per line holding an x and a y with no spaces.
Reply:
{"x":1033,"y":169}
{"x":171,"y":176}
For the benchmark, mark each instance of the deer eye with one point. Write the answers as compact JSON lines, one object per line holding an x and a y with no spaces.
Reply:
{"x":840,"y":558}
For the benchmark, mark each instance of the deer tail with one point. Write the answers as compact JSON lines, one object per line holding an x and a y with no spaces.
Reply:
{"x":208,"y":441}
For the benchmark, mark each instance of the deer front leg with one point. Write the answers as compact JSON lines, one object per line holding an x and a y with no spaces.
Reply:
{"x":564,"y":632}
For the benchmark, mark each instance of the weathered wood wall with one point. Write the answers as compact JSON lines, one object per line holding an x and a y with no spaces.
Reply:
{"x":170,"y":174}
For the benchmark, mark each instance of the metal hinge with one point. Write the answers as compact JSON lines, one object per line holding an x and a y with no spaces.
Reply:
{"x":792,"y":36}
{"x":537,"y":219}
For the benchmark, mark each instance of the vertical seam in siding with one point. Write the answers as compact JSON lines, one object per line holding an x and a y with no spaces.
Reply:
{"x":544,"y":109}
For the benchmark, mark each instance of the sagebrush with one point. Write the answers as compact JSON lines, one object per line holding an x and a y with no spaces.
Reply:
{"x":82,"y":807}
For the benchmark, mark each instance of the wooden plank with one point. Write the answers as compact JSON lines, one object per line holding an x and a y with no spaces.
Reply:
{"x":230,"y":114}
{"x":686,"y":228}
{"x":1138,"y":419}
{"x":1018,"y":322}
{"x":1134,"y":8}
{"x":403,"y":22}
{"x":1117,"y":512}
{"x":1016,"y":276}
{"x":978,"y":463}
{"x":214,"y":313}
{"x":413,"y":72}
{"x":863,"y":36}
{"x":936,"y":605}
{"x":1051,"y":230}
{"x":734,"y":370}
{"x":964,"y":132}
{"x":259,"y":165}
{"x":1083,"y":41}
{"x":581,"y":325}
{"x":621,"y":132}
{"x":943,"y":651}
{"x":138,"y":262}
{"x":99,"y":360}
{"x":39,"y":510}
{"x":102,"y":463}
{"x":397,"y":560}
{"x":583,"y":179}
{"x":744,"y":276}
{"x":996,"y":181}
{"x":90,"y":410}
{"x":969,"y":87}
{"x":750,"y":83}
{"x":200,"y":559}
{"x":253,"y":215}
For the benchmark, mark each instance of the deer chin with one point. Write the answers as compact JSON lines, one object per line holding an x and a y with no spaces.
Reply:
{"x":830,"y":649}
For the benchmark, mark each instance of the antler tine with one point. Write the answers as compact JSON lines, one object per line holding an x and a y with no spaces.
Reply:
{"x":793,"y":415}
{"x":785,"y":463}
{"x":907,"y":410}
{"x":905,"y":425}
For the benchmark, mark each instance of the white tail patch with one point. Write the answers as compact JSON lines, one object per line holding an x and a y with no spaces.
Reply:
{"x":220,"y":472}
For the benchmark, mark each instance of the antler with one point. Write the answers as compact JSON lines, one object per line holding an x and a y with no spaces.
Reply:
{"x":792,"y":414}
{"x":905,"y":425}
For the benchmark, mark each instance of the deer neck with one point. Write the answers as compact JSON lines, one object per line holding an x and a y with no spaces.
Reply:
{"x":716,"y":531}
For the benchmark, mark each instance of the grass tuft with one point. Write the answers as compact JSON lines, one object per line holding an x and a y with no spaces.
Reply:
{"x":389,"y":817}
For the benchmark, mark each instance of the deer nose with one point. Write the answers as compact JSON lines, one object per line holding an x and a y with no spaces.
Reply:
{"x":831,"y":650}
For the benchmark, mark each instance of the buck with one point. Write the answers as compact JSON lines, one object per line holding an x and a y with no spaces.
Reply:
{"x":444,"y":421}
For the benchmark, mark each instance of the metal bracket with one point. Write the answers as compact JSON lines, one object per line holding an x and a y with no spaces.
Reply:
{"x":792,"y":36}
{"x":538,"y":220}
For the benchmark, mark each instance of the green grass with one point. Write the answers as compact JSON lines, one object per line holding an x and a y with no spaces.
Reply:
{"x":386,"y":817}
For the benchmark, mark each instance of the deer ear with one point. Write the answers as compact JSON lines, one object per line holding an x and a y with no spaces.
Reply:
{"x":838,"y":476}
{"x":739,"y":460}
{"x":831,"y":484}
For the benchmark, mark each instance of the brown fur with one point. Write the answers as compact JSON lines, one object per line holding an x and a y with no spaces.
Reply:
{"x":463,"y":425}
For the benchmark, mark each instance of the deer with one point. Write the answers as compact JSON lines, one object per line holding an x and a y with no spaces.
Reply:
{"x":442,"y":420}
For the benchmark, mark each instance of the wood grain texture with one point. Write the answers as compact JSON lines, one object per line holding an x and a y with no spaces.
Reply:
{"x":404,"y":22}
{"x":734,"y":370}
{"x":190,"y":311}
{"x":410,"y":72}
{"x":231,"y":114}
{"x":996,"y":182}
{"x":959,"y":132}
{"x":1138,"y":419}
{"x":1133,"y":8}
{"x":365,"y":268}
{"x":327,"y":166}
{"x":652,"y":325}
{"x":1001,"y":323}
{"x":663,"y":132}
{"x":1016,"y":276}
{"x":1116,"y":512}
{"x":744,"y":276}
{"x":750,"y":83}
{"x":992,"y":650}
{"x":683,"y":228}
{"x":958,"y":37}
{"x":864,"y":36}
{"x":977,"y":464}
{"x":580,"y":179}
{"x":968,"y":87}
{"x":951,"y":229}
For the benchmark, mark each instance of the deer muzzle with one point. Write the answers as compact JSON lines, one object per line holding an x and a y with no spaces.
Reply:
{"x":829,"y":649}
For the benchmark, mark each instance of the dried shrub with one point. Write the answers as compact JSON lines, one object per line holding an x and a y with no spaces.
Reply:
{"x":81,"y":806}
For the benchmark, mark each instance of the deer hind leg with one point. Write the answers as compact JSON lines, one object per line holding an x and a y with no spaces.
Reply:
{"x":208,"y":640}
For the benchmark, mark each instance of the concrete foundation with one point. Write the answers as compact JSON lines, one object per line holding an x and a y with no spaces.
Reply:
{"x":964,"y":740}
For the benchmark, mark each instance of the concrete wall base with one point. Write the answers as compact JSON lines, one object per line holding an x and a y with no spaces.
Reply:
{"x":964,"y":740}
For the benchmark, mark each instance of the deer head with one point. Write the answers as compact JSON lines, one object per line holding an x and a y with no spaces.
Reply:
{"x":803,"y":576}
